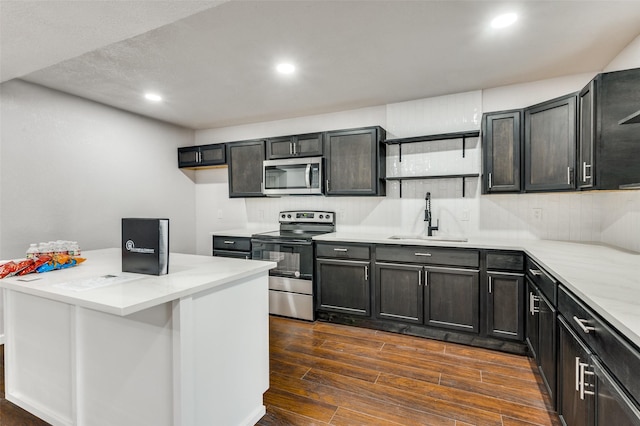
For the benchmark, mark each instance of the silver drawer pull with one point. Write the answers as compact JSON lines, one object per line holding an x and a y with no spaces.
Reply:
{"x":533,"y":299}
{"x":344,"y":250}
{"x":582,"y":323}
{"x":535,"y":272}
{"x":423,"y":254}
{"x":229,"y":242}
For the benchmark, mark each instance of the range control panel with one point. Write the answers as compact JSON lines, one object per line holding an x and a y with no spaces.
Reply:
{"x":306,"y":216}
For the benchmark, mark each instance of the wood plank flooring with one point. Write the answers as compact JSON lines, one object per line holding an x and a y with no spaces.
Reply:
{"x":328,"y":374}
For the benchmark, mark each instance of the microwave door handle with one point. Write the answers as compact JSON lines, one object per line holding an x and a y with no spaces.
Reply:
{"x":307,"y":176}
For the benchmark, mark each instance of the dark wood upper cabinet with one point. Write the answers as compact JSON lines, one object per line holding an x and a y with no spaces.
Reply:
{"x":202,"y":156}
{"x":355,"y":161}
{"x":502,"y":140}
{"x":307,"y":145}
{"x":550,"y":145}
{"x":615,"y":96}
{"x":245,"y":168}
{"x":586,"y":136}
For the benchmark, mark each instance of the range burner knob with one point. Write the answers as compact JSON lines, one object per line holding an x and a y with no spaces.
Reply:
{"x":283,"y":216}
{"x":327,"y":216}
{"x":321,"y":216}
{"x":288,"y":216}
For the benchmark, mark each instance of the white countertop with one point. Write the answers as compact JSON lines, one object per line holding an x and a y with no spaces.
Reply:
{"x":605,"y":278}
{"x":188,"y":274}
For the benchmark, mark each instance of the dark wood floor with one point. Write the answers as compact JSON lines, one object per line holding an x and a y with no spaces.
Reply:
{"x":326,"y":374}
{"x":323,"y":374}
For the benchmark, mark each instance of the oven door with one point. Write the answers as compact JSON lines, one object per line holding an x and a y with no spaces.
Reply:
{"x":294,"y":258}
{"x":293,"y":176}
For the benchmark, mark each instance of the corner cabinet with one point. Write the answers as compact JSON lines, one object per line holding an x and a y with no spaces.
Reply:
{"x":245,"y":168}
{"x":502,"y":141}
{"x":355,"y":161}
{"x":550,"y":145}
{"x":202,"y":156}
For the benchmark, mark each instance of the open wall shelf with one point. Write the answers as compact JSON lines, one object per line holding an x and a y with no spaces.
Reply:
{"x":432,"y":138}
{"x":458,"y":176}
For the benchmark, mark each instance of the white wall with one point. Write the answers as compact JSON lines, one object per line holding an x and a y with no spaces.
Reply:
{"x":72,"y":168}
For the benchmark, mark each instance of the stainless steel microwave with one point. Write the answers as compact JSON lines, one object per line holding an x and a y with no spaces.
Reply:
{"x":292,"y":176}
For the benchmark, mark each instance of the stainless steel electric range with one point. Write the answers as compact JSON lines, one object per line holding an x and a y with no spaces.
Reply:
{"x":291,"y":282}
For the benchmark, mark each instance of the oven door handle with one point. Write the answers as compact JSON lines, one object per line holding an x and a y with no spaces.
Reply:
{"x":283,"y":242}
{"x":307,"y":176}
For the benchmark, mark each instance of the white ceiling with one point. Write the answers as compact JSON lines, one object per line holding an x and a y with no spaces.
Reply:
{"x":213,"y":61}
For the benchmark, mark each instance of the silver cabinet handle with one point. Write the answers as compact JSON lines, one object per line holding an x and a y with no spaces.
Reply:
{"x":577,"y":374}
{"x":229,"y":242}
{"x":584,"y":171}
{"x":568,"y":175}
{"x":366,"y":273}
{"x":490,"y":285}
{"x":295,"y":148}
{"x":535,"y":272}
{"x":327,"y":185}
{"x":419,"y":277}
{"x":422,"y":254}
{"x":582,"y":323}
{"x":490,"y":183}
{"x":533,"y":309}
{"x":341,"y":249}
{"x":290,"y":148}
{"x":584,"y":372}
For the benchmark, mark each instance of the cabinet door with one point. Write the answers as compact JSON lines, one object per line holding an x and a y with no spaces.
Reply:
{"x":586,"y":135}
{"x":399,"y":292}
{"x":309,"y":145}
{"x":613,"y":406}
{"x":532,"y":331}
{"x":505,"y":305}
{"x":452,"y":299}
{"x":189,"y":156}
{"x":279,"y":147}
{"x":212,"y":155}
{"x":343,"y":286}
{"x":547,"y":344}
{"x":550,"y":145}
{"x":352,"y":162}
{"x":575,"y":405}
{"x":245,"y":168}
{"x":502,"y":139}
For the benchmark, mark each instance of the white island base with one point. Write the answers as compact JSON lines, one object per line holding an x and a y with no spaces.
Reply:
{"x":198,"y":358}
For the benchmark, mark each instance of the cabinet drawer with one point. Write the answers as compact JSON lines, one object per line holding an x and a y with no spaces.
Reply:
{"x":343,"y":251}
{"x":505,"y":261}
{"x":545,"y":282}
{"x":428,"y":255}
{"x":616,"y":353}
{"x":231,"y":243}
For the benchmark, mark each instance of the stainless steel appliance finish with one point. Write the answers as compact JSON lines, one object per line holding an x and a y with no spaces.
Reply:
{"x":291,"y":281}
{"x":292,"y":176}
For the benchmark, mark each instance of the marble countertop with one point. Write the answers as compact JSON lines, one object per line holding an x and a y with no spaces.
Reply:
{"x":605,"y":278}
{"x":188,"y":274}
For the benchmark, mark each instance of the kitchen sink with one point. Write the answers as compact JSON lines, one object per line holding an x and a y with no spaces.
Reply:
{"x":427,"y":238}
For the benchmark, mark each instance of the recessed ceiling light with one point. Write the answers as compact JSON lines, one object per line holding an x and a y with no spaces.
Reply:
{"x":504,"y":20}
{"x":286,"y":68}
{"x":154,"y":97}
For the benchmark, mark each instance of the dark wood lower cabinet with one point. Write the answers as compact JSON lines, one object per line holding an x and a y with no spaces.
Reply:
{"x":452,"y":299}
{"x":399,"y":292}
{"x":343,"y":286}
{"x":505,"y":305}
{"x":613,"y":407}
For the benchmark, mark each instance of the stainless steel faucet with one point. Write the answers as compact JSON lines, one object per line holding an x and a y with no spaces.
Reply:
{"x":427,"y":216}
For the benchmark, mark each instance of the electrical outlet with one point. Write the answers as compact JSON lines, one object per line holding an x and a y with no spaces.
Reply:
{"x":464,"y":215}
{"x":536,"y":214}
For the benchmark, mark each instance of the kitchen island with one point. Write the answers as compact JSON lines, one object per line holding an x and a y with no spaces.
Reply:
{"x":91,"y":345}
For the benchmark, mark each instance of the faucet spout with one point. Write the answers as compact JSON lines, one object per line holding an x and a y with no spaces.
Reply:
{"x":428,"y":216}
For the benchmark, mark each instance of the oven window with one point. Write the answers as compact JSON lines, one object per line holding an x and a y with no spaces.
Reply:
{"x":293,"y":260}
